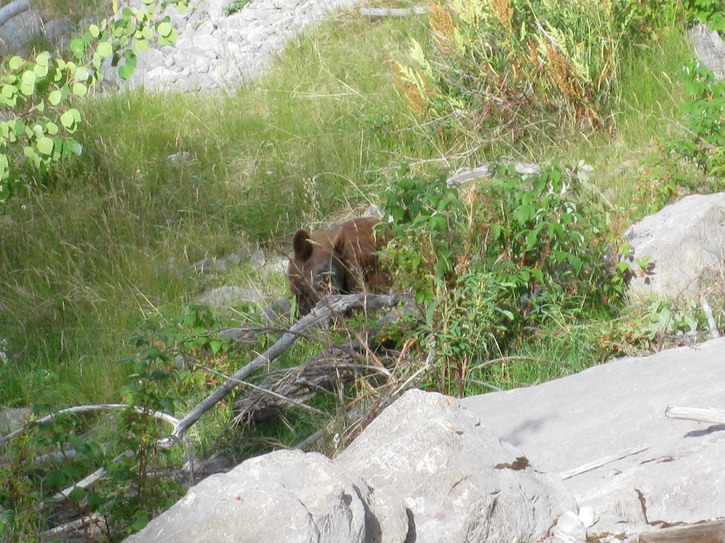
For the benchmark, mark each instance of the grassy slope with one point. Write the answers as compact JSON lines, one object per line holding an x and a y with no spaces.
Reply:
{"x":110,"y":242}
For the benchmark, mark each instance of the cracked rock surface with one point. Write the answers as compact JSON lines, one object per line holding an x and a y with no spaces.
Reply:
{"x":672,"y":472}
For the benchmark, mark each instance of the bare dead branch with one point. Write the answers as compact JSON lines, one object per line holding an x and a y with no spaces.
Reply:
{"x":326,"y":308}
{"x":339,"y":364}
{"x":14,"y":8}
{"x":714,"y":416}
{"x":173,"y":421}
{"x":381,"y":13}
{"x":264,"y":391}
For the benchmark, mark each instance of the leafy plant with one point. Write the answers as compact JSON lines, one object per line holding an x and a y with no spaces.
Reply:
{"x":502,"y":256}
{"x":39,"y":92}
{"x":704,"y":118}
{"x":235,"y":6}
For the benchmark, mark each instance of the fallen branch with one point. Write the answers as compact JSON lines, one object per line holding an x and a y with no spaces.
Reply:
{"x":382,"y":13}
{"x":16,"y":7}
{"x":337,"y":365}
{"x":466,"y":175}
{"x":568,"y":474}
{"x":326,"y":308}
{"x":711,"y":415}
{"x":87,"y":409}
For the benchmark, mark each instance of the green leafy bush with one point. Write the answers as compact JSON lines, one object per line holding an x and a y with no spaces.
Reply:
{"x":704,"y":119}
{"x":38,"y":92}
{"x":494,"y":258}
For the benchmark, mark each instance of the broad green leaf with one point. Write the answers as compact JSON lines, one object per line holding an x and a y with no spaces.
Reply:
{"x":164,"y":29}
{"x":9,"y":91}
{"x":55,"y":97}
{"x":45,"y":145}
{"x":94,"y":30}
{"x":126,"y":71}
{"x":15,"y":63}
{"x":147,"y":32}
{"x":40,"y":71}
{"x":29,"y":152}
{"x":170,"y":40}
{"x":51,"y":128}
{"x":68,"y":121}
{"x":27,"y":90}
{"x":141,"y":46}
{"x":80,"y":89}
{"x":28,"y":78}
{"x":82,"y":73}
{"x":78,"y":47}
{"x":104,"y":49}
{"x":43,"y":59}
{"x":19,"y":127}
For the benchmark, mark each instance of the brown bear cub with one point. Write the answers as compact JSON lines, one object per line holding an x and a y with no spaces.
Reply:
{"x":342,"y":260}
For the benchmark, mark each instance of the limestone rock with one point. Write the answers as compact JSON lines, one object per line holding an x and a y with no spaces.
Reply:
{"x":284,"y":496}
{"x":686,"y":243}
{"x":709,"y":48}
{"x":12,"y":418}
{"x":230,"y":296}
{"x":19,"y":31}
{"x":424,"y":471}
{"x":605,"y":430}
{"x":459,"y":482}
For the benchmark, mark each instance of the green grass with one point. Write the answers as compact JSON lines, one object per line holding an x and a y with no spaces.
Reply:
{"x":101,"y":251}
{"x":111,"y":237}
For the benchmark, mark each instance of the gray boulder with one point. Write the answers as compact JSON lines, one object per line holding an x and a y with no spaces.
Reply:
{"x":425,"y":470}
{"x":457,"y":479}
{"x":685,"y":242}
{"x":709,"y":48}
{"x":605,"y":432}
{"x":19,"y":31}
{"x":285,"y":496}
{"x":12,"y":418}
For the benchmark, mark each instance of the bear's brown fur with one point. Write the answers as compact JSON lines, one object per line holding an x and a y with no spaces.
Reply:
{"x":342,"y":259}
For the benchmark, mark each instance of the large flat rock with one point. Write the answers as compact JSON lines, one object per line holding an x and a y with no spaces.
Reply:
{"x":671,"y":472}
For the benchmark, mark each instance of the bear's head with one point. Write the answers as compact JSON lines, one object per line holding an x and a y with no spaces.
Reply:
{"x":316,"y":268}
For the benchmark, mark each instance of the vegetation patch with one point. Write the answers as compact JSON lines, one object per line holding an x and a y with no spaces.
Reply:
{"x":505,"y":281}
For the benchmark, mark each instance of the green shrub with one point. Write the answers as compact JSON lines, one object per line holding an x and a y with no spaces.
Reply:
{"x":704,"y":119}
{"x":503,"y":255}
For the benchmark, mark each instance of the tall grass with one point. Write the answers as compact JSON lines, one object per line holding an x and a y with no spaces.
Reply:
{"x":168,"y":180}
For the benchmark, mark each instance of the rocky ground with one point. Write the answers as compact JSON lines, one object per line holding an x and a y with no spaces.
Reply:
{"x":213,"y":50}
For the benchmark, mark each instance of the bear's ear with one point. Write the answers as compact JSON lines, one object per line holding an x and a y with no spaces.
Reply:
{"x":302,"y":245}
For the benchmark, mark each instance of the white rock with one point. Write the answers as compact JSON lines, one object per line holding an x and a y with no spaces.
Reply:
{"x":588,"y":516}
{"x":570,"y":529}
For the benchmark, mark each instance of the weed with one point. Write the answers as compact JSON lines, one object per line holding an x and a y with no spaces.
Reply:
{"x":235,"y":7}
